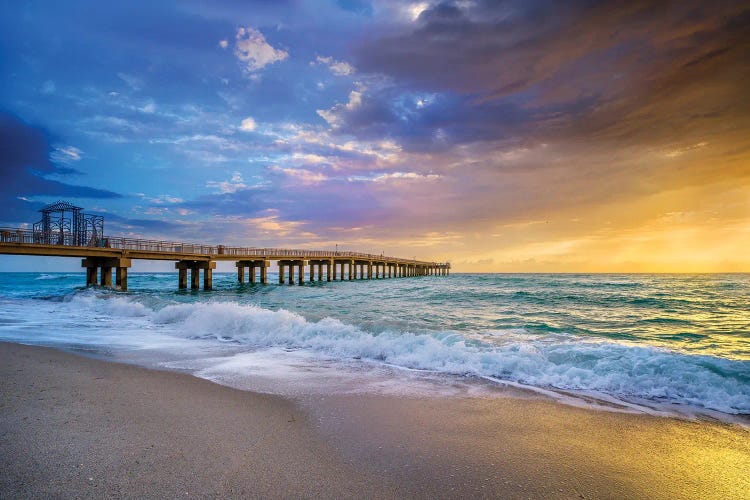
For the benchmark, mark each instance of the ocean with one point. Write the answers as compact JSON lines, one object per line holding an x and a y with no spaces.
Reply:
{"x":661,"y":344}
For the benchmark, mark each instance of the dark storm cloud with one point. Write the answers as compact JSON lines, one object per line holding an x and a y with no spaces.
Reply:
{"x":448,"y":119}
{"x":616,"y":71}
{"x":24,"y":166}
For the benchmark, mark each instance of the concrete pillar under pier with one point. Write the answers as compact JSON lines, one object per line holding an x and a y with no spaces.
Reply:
{"x":94,"y":264}
{"x":195,"y":266}
{"x":91,"y":276}
{"x":346,"y":269}
{"x":121,"y":278}
{"x":252,"y":265}
{"x":330,"y":267}
{"x":208,"y":278}
{"x":290,"y":265}
{"x":106,"y":276}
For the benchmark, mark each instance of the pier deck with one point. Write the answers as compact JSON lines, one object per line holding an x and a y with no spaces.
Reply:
{"x":100,"y":257}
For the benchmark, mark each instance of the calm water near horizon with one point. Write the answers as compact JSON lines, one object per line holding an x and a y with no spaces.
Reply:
{"x":656,"y":341}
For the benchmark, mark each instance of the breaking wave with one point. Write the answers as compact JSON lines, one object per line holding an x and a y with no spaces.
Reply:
{"x":561,"y":362}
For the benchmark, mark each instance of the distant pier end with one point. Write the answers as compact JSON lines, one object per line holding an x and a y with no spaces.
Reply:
{"x":65,"y":231}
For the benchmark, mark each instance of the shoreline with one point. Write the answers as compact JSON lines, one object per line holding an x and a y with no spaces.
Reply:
{"x":78,"y":426}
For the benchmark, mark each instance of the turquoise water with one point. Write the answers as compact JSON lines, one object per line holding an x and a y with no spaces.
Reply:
{"x":656,"y":340}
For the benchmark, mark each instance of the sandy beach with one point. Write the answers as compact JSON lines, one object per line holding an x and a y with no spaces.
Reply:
{"x":74,"y":427}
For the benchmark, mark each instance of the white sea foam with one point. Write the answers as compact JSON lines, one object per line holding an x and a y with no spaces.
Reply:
{"x":574,"y":364}
{"x":556,"y":362}
{"x":110,"y":304}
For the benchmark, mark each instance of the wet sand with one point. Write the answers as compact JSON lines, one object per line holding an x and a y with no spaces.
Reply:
{"x":71,"y":426}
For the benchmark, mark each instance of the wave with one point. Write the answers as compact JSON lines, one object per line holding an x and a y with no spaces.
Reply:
{"x":550,"y":360}
{"x":567,"y":364}
{"x":43,"y":277}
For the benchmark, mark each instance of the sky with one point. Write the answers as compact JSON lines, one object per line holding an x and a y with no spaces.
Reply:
{"x":502,"y":136}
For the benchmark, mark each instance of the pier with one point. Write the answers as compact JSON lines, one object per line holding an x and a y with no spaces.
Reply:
{"x":65,"y":231}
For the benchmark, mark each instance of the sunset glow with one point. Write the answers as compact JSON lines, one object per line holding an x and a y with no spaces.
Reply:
{"x":500,"y":136}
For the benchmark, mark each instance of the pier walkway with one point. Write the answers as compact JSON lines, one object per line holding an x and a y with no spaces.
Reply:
{"x":102,"y":255}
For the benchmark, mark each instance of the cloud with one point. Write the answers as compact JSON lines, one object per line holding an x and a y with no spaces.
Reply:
{"x":223,"y":44}
{"x":162,"y":199}
{"x":623,"y":71}
{"x":415,"y":9}
{"x":236,"y":183}
{"x":273,"y":225}
{"x":334,"y":115}
{"x":304,"y":176}
{"x":338,"y":68}
{"x":248,"y":124}
{"x":25,"y":165}
{"x":134,"y":82}
{"x":405,"y":176}
{"x":252,"y":49}
{"x":148,"y":108}
{"x":48,"y":87}
{"x":66,"y":154}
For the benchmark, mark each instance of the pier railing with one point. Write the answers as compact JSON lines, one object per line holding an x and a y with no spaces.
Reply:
{"x":31,"y":237}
